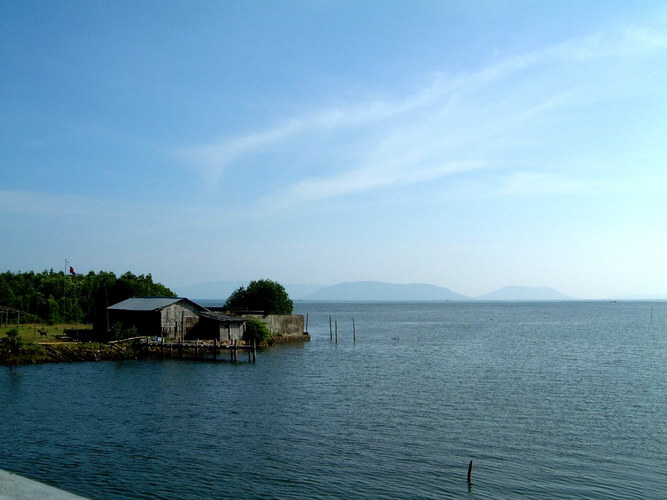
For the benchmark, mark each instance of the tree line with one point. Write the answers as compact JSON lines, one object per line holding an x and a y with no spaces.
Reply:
{"x":55,"y":297}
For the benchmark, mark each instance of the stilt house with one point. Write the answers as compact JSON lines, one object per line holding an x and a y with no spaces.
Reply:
{"x":214,"y":325}
{"x":157,"y":316}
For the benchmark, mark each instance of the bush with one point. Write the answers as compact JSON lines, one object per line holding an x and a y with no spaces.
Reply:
{"x":256,"y":330}
{"x":119,"y":331}
{"x":12,"y":343}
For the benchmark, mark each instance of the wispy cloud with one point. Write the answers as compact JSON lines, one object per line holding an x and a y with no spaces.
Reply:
{"x":461,"y":123}
{"x":211,"y":160}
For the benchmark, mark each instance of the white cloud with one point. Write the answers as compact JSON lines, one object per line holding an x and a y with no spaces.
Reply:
{"x":461,"y":123}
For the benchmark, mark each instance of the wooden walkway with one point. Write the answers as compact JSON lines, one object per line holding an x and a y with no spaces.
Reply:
{"x":200,"y":349}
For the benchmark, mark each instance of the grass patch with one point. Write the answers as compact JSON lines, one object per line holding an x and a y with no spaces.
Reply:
{"x":29,"y":333}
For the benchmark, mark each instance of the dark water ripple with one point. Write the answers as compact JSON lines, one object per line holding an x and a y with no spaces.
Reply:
{"x":556,"y":400}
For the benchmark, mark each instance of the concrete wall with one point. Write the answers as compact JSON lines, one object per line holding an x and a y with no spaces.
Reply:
{"x":287,"y":324}
{"x":13,"y":486}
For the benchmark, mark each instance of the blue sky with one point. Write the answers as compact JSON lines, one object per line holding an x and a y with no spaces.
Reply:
{"x":468,"y":144}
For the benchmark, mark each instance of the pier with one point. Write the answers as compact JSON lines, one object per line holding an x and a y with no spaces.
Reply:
{"x":200,"y":349}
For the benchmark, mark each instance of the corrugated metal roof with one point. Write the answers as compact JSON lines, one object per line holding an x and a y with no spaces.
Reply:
{"x":145,"y":303}
{"x":222,"y":317}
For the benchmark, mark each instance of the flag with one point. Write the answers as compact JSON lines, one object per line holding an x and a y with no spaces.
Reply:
{"x":72,"y":271}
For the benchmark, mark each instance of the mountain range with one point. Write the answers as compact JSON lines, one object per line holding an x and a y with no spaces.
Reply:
{"x":373,"y":291}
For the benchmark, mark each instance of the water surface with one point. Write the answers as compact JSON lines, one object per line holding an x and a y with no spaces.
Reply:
{"x":550,"y":400}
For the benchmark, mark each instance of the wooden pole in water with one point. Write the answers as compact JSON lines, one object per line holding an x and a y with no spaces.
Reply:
{"x":162,"y":346}
{"x":254,"y":351}
{"x":330,"y":331}
{"x":336,"y":331}
{"x":470,"y":473}
{"x":354,"y":331}
{"x":306,"y":323}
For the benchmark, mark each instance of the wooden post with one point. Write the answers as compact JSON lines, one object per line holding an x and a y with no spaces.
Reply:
{"x":162,"y":346}
{"x":470,"y":473}
{"x":249,"y":352}
{"x":307,"y":320}
{"x":354,"y":331}
{"x":254,"y":351}
{"x":336,"y":331}
{"x":330,"y":331}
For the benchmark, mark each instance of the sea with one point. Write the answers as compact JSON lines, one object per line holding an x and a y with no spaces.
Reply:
{"x":549,"y":400}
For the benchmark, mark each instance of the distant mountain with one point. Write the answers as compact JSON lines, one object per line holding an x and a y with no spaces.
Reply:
{"x":525,"y":293}
{"x":222,"y":289}
{"x":375,"y":291}
{"x":369,"y":291}
{"x":297,"y":292}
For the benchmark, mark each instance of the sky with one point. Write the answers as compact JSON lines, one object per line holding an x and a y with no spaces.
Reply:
{"x":466,"y":144}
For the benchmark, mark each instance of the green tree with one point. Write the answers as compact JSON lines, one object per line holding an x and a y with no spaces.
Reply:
{"x":267,"y":296}
{"x":55,"y":297}
{"x":256,"y":330}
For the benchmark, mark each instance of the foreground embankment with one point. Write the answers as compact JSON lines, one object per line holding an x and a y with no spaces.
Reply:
{"x":67,"y":352}
{"x":13,"y":486}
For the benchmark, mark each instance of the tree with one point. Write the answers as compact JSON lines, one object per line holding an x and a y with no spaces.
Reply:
{"x":267,"y":296}
{"x":256,"y":330}
{"x":55,"y":297}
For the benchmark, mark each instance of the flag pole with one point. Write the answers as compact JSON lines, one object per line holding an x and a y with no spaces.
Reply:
{"x":64,"y":286}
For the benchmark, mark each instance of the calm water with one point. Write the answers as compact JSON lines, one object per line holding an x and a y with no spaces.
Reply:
{"x":550,"y":400}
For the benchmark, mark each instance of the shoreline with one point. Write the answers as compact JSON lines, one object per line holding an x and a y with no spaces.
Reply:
{"x":68,"y":352}
{"x":75,"y":352}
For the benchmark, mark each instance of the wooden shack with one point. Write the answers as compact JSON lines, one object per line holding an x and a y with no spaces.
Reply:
{"x":172,"y":317}
{"x":215,"y":325}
